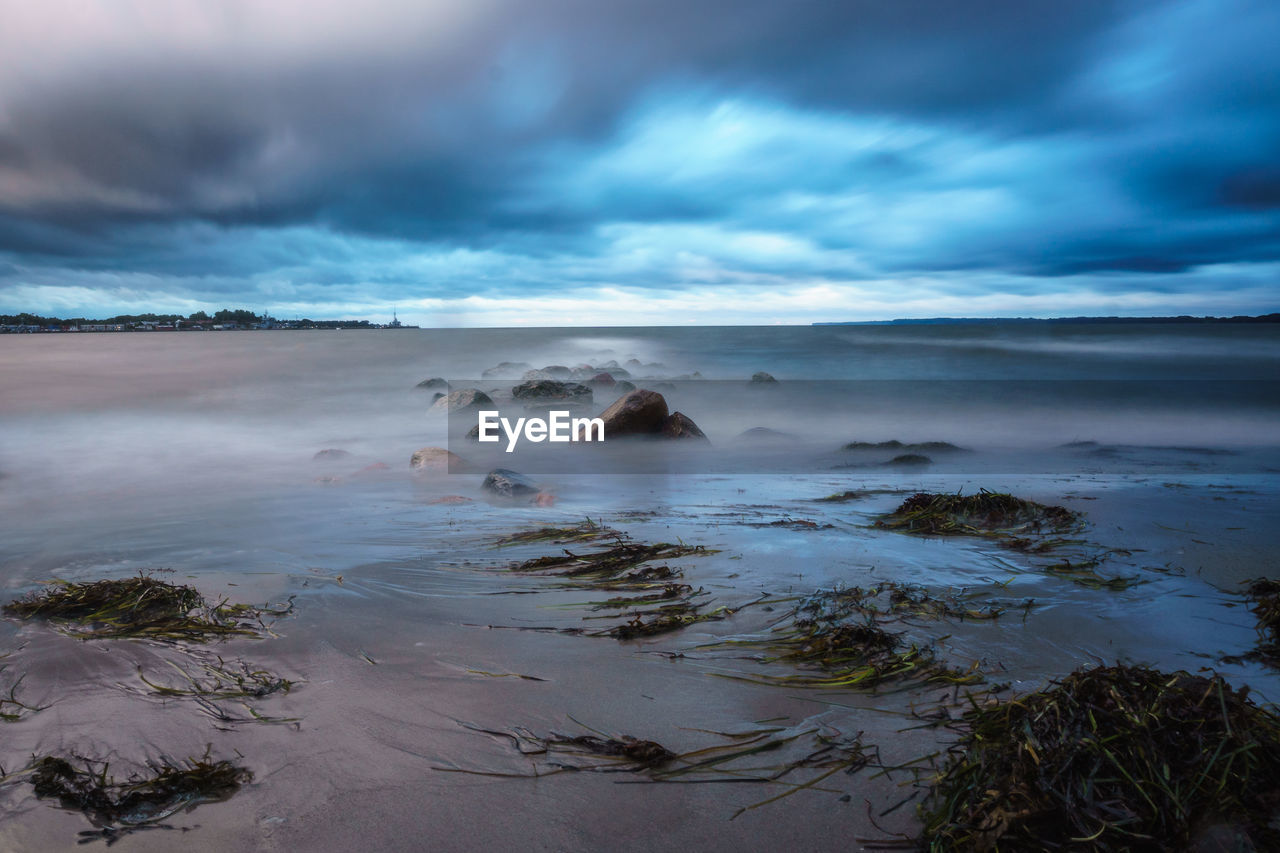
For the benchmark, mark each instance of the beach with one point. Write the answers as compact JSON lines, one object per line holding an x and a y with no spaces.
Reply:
{"x":411,"y":645}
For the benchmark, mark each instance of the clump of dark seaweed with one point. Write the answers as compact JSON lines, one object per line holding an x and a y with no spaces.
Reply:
{"x":982,"y":514}
{"x":142,"y":606}
{"x":1264,"y":598}
{"x":1111,"y":758}
{"x":584,"y":531}
{"x":117,"y":806}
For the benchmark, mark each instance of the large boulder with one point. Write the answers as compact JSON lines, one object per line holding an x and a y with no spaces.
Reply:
{"x":679,"y":425}
{"x":509,"y":484}
{"x":434,"y":460}
{"x":541,"y":390}
{"x":433,"y":383}
{"x":462,"y":400}
{"x":640,"y":412}
{"x":603,"y":380}
{"x":762,"y":378}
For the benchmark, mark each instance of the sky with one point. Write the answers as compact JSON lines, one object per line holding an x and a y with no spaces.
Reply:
{"x":640,"y":162}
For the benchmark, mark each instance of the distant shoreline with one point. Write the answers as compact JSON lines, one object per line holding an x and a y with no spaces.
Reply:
{"x":943,"y":321}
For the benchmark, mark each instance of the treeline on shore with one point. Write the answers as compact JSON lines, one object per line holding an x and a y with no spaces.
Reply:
{"x":226,"y":318}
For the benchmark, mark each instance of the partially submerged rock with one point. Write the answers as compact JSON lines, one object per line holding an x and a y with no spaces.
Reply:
{"x":909,"y":460}
{"x":506,"y":370}
{"x":434,"y":459}
{"x":605,"y":380}
{"x":462,"y":400}
{"x":762,"y":378}
{"x":330,"y":454}
{"x":548,"y":390}
{"x":643,"y":412}
{"x":898,"y":446}
{"x":509,"y":484}
{"x":640,"y":412}
{"x":432,"y":384}
{"x":679,"y":425}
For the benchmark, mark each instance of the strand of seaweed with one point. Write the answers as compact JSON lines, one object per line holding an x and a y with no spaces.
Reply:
{"x":835,"y":639}
{"x":598,"y":752}
{"x":215,"y":685}
{"x":12,"y":708}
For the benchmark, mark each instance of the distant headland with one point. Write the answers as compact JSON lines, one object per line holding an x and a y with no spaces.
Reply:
{"x":226,"y":320}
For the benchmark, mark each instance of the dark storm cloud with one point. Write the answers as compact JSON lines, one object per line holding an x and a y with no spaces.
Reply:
{"x":568,"y":140}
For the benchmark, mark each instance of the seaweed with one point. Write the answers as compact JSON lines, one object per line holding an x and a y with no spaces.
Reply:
{"x":982,"y":514}
{"x":834,"y":636}
{"x":1084,"y":573}
{"x":664,"y":620}
{"x":221,"y":680}
{"x":1264,"y":597}
{"x":118,"y":806}
{"x":1109,"y":758}
{"x":584,"y":531}
{"x":719,"y":763}
{"x":139,"y":607}
{"x":12,"y":708}
{"x":610,"y":561}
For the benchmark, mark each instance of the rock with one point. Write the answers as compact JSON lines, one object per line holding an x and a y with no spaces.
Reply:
{"x":506,"y":370}
{"x":604,"y":380}
{"x":557,"y":371}
{"x":435,"y":459}
{"x":624,"y":386}
{"x":678,"y":425}
{"x":764,"y":435}
{"x":550,"y":389}
{"x":433,"y":382}
{"x":462,"y":400}
{"x":436,"y":396}
{"x":330,"y":454}
{"x":910,"y":459}
{"x":509,"y":484}
{"x":634,"y":362}
{"x":761,"y":378}
{"x":640,"y":412}
{"x":930,"y":446}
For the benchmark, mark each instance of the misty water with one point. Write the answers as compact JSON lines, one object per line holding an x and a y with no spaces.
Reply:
{"x":194,"y":455}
